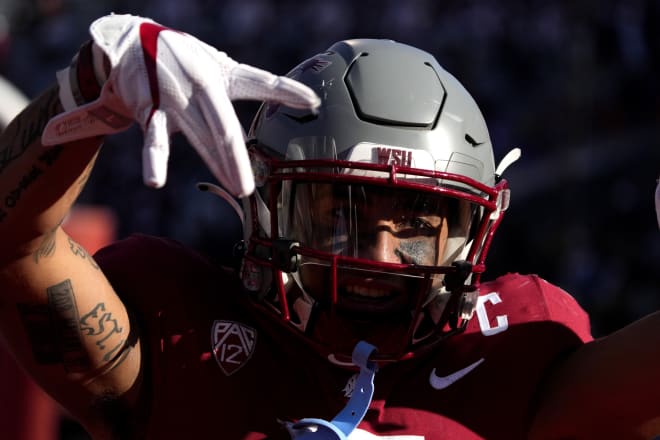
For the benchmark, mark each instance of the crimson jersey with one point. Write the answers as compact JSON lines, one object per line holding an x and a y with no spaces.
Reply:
{"x":217,"y":369}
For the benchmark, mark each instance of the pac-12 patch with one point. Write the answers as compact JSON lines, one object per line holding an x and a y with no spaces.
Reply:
{"x":233,"y":344}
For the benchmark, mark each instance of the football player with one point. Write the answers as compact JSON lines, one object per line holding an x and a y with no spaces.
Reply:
{"x":369,"y":196}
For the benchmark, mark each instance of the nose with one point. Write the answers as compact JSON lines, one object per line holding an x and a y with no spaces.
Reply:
{"x":385,"y":244}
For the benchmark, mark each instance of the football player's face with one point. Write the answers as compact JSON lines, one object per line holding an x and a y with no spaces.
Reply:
{"x":378,"y":225}
{"x":390,"y":227}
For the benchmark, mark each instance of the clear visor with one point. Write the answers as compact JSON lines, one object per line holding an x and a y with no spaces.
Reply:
{"x":376,"y":223}
{"x":391,"y":243}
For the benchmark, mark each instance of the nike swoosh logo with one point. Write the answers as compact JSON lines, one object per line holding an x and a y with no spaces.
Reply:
{"x":442,"y":382}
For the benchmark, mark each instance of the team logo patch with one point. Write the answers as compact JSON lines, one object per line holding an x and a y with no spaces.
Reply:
{"x":233,"y":344}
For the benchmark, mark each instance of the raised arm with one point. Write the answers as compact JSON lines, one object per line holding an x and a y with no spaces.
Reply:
{"x":58,"y":312}
{"x":608,"y":388}
{"x":53,"y":297}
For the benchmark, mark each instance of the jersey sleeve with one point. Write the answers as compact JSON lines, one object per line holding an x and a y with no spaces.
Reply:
{"x":530,"y":298}
{"x":563,"y":308}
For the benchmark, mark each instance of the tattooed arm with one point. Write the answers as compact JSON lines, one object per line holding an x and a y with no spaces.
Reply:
{"x":58,"y":313}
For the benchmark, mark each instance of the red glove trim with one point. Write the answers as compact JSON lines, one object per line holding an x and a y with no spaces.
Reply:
{"x":149,"y":38}
{"x":88,"y":85}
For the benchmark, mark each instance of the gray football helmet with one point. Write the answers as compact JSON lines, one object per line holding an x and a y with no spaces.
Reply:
{"x":374,"y":215}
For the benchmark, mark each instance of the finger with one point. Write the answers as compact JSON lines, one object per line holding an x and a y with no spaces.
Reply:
{"x":247,"y":82}
{"x":156,"y":151}
{"x":220,"y":142}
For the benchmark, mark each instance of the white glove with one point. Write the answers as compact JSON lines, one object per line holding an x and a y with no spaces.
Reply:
{"x":169,"y":81}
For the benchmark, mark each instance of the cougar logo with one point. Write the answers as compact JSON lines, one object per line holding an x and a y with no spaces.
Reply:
{"x":233,"y":344}
{"x":316,"y":65}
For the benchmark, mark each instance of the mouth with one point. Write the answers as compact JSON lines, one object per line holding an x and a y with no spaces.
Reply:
{"x":363,"y":295}
{"x":372,"y":299}
{"x":368,"y":292}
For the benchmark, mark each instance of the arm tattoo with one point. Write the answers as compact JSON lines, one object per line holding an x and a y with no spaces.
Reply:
{"x":81,"y":252}
{"x":53,"y":329}
{"x":64,"y":316}
{"x":100,"y":324}
{"x":49,"y":156}
{"x":27,"y":127}
{"x":24,"y":131}
{"x":56,"y":331}
{"x":31,"y":176}
{"x":47,"y":246}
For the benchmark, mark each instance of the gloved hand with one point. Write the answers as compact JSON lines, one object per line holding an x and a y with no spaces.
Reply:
{"x":167,"y":81}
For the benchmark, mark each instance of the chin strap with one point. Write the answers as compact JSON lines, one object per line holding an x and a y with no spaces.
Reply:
{"x":348,"y":418}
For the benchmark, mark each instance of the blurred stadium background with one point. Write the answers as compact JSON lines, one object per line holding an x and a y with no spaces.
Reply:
{"x":573,"y":84}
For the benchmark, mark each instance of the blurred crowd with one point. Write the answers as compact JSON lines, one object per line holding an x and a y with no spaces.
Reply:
{"x":573,"y":84}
